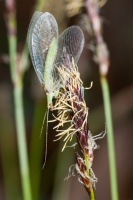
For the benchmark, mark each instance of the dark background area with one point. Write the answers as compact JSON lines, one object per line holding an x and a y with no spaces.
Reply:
{"x":117,"y":18}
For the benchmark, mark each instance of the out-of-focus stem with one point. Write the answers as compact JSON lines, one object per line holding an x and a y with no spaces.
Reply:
{"x":62,"y":191}
{"x":103,"y":62}
{"x":21,"y":140}
{"x":110,"y":138}
{"x":16,"y":76}
{"x":37,"y":149}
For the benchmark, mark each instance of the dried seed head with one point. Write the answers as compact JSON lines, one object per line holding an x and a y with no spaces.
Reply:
{"x":71,"y":109}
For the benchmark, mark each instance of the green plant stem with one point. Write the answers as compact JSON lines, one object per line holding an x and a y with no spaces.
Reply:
{"x":19,"y":118}
{"x":110,"y":138}
{"x":21,"y":140}
{"x":92,"y":194}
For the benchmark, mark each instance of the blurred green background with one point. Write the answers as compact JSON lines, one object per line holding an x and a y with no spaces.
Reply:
{"x":47,"y":184}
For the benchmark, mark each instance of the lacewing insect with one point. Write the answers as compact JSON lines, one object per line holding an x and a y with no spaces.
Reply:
{"x":42,"y":43}
{"x":47,"y":53}
{"x":46,"y":50}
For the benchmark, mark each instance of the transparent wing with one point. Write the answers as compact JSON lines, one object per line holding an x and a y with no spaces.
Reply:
{"x":42,"y":29}
{"x":72,"y":39}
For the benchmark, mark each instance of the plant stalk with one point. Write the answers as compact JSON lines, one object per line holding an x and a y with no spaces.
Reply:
{"x":19,"y":114}
{"x":110,"y":138}
{"x":21,"y":140}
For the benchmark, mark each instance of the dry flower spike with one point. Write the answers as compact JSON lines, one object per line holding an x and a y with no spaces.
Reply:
{"x":71,"y":108}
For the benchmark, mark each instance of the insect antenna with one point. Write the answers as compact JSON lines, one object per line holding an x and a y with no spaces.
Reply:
{"x":41,"y":131}
{"x":46,"y":139}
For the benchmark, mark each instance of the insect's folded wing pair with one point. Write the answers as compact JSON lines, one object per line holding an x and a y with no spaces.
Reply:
{"x":43,"y":28}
